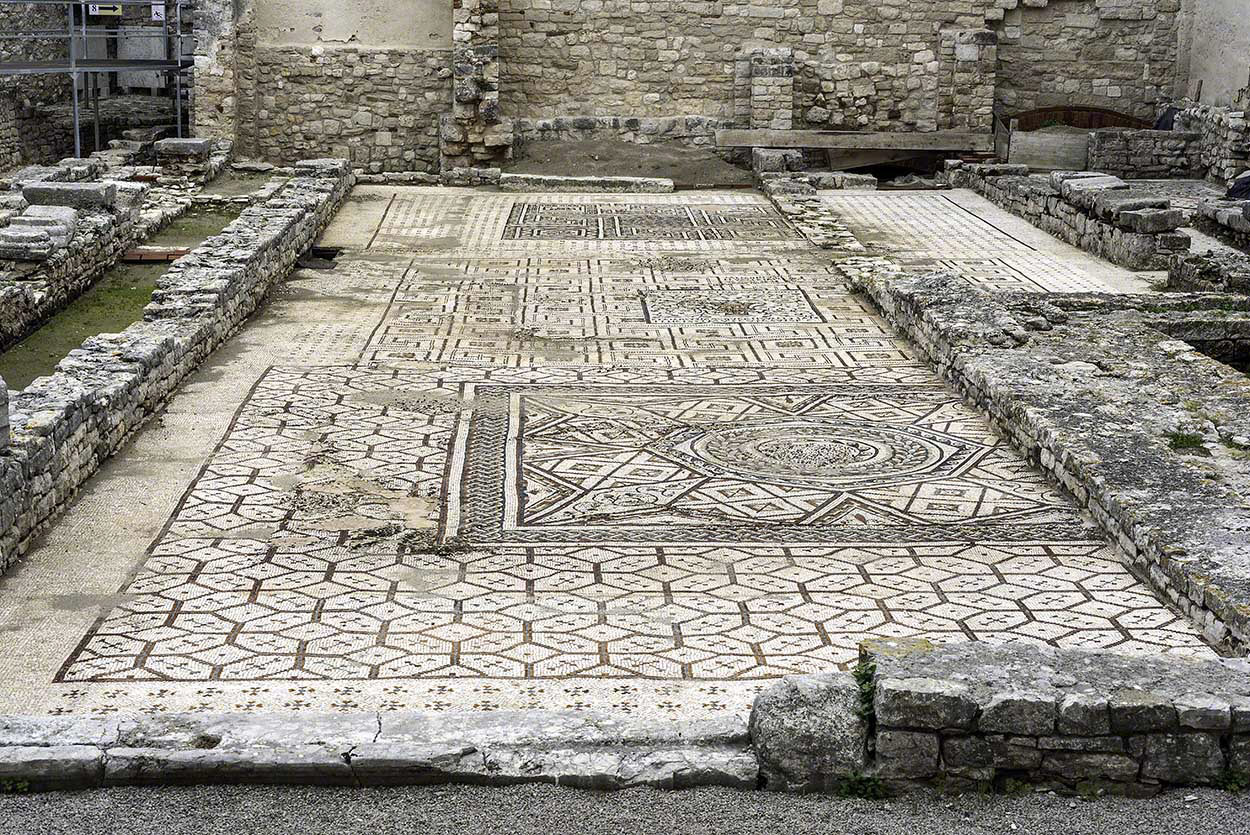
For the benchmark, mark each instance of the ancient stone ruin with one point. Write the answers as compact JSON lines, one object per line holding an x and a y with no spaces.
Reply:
{"x":800,"y":395}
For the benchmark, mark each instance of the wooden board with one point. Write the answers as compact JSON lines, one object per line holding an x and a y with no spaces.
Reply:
{"x":856,"y":140}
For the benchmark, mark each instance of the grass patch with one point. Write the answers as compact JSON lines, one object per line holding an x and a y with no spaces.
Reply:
{"x":1233,"y":780}
{"x":865,"y":674}
{"x":1185,"y":441}
{"x":862,"y":786}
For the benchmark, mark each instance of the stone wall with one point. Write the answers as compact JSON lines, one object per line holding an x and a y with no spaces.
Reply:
{"x":1219,"y":55}
{"x":380,"y":108}
{"x":689,"y":131}
{"x":65,"y":425}
{"x":31,"y":291}
{"x":845,"y":64}
{"x":1228,"y":220}
{"x":1088,"y":209}
{"x":977,"y":717}
{"x":858,"y":64}
{"x":1117,"y":54}
{"x":1100,"y":392}
{"x":1145,"y":154}
{"x":216,"y":80}
{"x":1224,"y":147}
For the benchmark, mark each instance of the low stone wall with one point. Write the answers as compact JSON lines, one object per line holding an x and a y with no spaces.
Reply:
{"x":1141,"y":429}
{"x":64,"y":425}
{"x":1228,"y":220}
{"x":32,"y":290}
{"x":1094,"y":211}
{"x":1224,"y":147}
{"x":974,"y":716}
{"x":795,"y":196}
{"x":597,"y":751}
{"x":547,"y":183}
{"x":963,"y":717}
{"x":1210,"y":273}
{"x":1145,"y":154}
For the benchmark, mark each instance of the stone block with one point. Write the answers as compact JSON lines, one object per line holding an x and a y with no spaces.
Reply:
{"x":195,"y":149}
{"x":1184,"y":759}
{"x":776,"y":159}
{"x":53,"y":766}
{"x":1239,"y":754}
{"x":1151,"y":221}
{"x":1020,"y":713}
{"x":25,"y":243}
{"x":1204,"y":712}
{"x":1077,"y":767}
{"x":930,"y":704}
{"x":967,"y":752}
{"x":808,"y":731}
{"x":907,"y":755}
{"x":75,"y":195}
{"x":1083,"y":714}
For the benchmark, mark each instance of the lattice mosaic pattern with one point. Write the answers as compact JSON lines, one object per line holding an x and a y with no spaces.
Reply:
{"x":459,"y":222}
{"x":986,"y":246}
{"x":333,"y":536}
{"x":638,"y":453}
{"x":535,"y":220}
{"x":685,"y":311}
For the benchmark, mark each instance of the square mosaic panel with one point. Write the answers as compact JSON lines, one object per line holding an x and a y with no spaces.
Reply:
{"x":807,"y":464}
{"x":531,"y":220}
{"x":682,"y":307}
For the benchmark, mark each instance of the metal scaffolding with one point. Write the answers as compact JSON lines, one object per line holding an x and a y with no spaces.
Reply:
{"x":88,"y":70}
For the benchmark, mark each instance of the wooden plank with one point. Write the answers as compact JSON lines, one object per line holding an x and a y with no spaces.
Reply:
{"x":856,"y":140}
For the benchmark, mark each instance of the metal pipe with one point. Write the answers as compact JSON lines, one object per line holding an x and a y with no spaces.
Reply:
{"x":73,"y":63}
{"x":96,"y":97}
{"x":178,"y":72}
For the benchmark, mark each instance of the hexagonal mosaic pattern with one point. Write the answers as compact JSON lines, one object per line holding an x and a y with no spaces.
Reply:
{"x":642,"y":454}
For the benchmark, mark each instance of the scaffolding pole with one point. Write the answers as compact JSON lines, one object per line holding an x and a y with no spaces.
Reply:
{"x":85,"y":71}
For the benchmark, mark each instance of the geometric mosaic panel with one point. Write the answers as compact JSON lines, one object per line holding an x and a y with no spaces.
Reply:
{"x":531,"y":220}
{"x":337,"y":534}
{"x":767,"y":463}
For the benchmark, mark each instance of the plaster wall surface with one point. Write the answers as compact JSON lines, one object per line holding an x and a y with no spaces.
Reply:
{"x":1220,"y":54}
{"x":384,"y":23}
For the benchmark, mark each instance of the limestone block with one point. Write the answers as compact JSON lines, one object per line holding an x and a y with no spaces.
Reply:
{"x":907,"y":754}
{"x":76,"y":195}
{"x":808,"y":731}
{"x":198,"y":149}
{"x":924,"y":703}
{"x":1185,"y":759}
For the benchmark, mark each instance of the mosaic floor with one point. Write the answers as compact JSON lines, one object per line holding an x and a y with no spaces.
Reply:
{"x":961,"y":232}
{"x":640,"y":454}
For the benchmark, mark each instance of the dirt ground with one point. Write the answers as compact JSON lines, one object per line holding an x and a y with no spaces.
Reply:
{"x":612,"y":157}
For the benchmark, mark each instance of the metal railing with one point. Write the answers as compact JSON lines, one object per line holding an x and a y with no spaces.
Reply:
{"x":82,"y":68}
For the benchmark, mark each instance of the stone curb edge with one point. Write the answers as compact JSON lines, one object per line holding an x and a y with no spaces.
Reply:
{"x":592,"y":751}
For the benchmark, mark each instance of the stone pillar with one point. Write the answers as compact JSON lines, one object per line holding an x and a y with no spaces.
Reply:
{"x":212,"y":87}
{"x":10,"y":141}
{"x":969,"y":60}
{"x":475,"y":139}
{"x":4,"y":416}
{"x":772,"y":89}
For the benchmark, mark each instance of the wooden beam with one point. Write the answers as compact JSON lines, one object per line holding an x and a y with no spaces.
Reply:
{"x":945,"y":140}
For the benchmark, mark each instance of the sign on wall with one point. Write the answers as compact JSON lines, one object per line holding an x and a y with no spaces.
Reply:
{"x":114,"y":9}
{"x":158,"y":11}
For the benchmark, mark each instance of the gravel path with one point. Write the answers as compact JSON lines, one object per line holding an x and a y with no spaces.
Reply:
{"x":543,"y":810}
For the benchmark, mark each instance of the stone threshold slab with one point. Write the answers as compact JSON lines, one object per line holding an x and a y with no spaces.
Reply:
{"x":593,"y":751}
